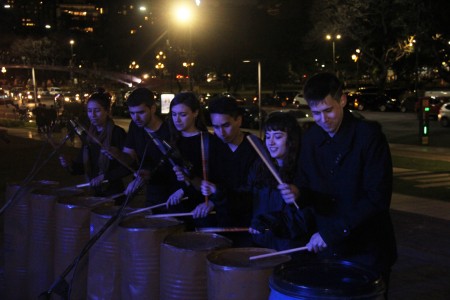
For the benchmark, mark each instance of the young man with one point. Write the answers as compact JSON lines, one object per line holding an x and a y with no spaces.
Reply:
{"x":345,"y":176}
{"x":229,"y":167}
{"x":139,"y":145}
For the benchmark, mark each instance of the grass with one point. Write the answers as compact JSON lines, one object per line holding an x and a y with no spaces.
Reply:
{"x":407,"y":187}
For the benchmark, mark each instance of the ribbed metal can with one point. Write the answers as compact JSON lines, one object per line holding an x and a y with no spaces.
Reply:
{"x":72,"y":235}
{"x":104,"y":271}
{"x":183,"y":264}
{"x":232,"y":275}
{"x":140,"y":238}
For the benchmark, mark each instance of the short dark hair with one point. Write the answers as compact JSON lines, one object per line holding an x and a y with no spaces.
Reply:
{"x":140,"y":96}
{"x":320,"y":85}
{"x":224,"y":105}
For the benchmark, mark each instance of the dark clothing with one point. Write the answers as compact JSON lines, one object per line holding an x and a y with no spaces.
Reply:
{"x":273,"y":217}
{"x":191,"y":156}
{"x":347,"y":180}
{"x":229,"y":171}
{"x":114,"y":173}
{"x":160,"y":186}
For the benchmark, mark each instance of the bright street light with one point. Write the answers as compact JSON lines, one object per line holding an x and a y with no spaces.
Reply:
{"x":333,"y":39}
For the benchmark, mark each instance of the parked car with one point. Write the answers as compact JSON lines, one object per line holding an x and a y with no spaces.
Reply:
{"x":284,"y":98}
{"x":299,"y":101}
{"x":434,"y":103}
{"x":303,"y":117}
{"x":377,"y":101}
{"x":444,"y":115}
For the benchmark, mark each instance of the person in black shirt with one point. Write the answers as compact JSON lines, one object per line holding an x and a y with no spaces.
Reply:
{"x":91,"y":161}
{"x":230,"y":163}
{"x":146,"y":130}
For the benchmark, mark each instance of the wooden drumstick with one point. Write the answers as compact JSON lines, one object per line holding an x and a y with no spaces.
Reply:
{"x":222,"y":229}
{"x":257,"y":146}
{"x":174,"y":215}
{"x":278,"y":253}
{"x":150,"y":207}
{"x":203,"y":163}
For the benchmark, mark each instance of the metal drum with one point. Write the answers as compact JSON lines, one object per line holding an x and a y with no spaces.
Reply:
{"x":104,"y":271}
{"x":16,"y":237}
{"x":72,"y":234}
{"x":329,"y":279}
{"x":140,"y":239}
{"x":232,"y":275}
{"x":42,"y":237}
{"x":183,"y":264}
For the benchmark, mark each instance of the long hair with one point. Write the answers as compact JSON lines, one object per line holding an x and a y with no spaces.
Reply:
{"x":190,"y":100}
{"x":286,"y":122}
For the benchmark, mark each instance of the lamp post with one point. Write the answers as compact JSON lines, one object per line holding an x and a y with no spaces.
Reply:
{"x":259,"y":94}
{"x":333,"y":39}
{"x":71,"y":42}
{"x":355,"y":58}
{"x":184,"y":15}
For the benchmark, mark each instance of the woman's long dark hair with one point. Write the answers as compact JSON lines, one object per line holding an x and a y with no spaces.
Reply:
{"x":286,"y":122}
{"x":190,"y":100}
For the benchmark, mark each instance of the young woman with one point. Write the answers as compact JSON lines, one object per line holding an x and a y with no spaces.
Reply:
{"x":97,"y":167}
{"x":187,"y":131}
{"x":272,"y":206}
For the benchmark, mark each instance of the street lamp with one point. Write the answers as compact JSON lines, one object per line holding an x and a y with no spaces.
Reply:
{"x":259,"y":94}
{"x":71,"y":42}
{"x":333,"y":39}
{"x":355,"y":58}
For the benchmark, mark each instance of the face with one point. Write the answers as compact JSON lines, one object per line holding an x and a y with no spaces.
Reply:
{"x":96,"y":114}
{"x":329,"y":113}
{"x":226,"y":127}
{"x":184,"y":118}
{"x":141,"y":114}
{"x":276,"y":143}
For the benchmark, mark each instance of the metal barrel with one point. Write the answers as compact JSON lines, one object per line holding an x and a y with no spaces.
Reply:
{"x":325,"y":279}
{"x":183,"y":264}
{"x":16,"y":237}
{"x":140,"y":239}
{"x":72,"y":234}
{"x":42,"y":238}
{"x":232,"y":275}
{"x":104,"y":272}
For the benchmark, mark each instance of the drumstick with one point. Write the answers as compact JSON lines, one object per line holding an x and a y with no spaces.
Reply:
{"x":278,"y":253}
{"x":203,"y":163}
{"x":174,"y":215}
{"x":87,"y":184}
{"x":257,"y":146}
{"x":116,"y":195}
{"x":222,"y":229}
{"x":150,"y":207}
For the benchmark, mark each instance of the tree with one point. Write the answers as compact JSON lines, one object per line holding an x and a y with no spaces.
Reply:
{"x":382,"y":29}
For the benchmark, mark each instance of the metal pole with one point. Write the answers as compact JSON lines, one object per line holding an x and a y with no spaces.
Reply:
{"x":33,"y":76}
{"x":334,"y":58}
{"x":259,"y":99}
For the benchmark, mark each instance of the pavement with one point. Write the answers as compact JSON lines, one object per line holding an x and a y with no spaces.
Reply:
{"x":422,"y":227}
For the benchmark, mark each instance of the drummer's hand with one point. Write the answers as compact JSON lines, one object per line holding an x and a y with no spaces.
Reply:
{"x":207,"y":188}
{"x":180,"y":174}
{"x":202,"y":210}
{"x":289,"y":192}
{"x":175,"y":198}
{"x":134,"y":185}
{"x":64,"y":161}
{"x":253,"y":231}
{"x":316,"y":243}
{"x":97,"y":181}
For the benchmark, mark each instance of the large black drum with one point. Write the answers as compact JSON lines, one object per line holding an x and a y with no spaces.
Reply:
{"x":329,"y":279}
